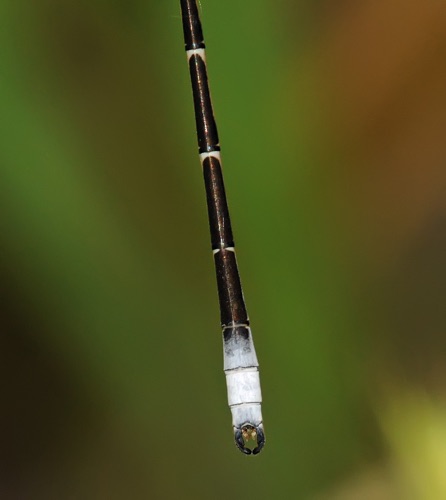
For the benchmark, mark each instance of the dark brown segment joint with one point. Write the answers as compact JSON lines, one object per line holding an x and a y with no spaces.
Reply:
{"x":232,"y":305}
{"x":204,"y":115}
{"x":219,"y":221}
{"x":193,"y":34}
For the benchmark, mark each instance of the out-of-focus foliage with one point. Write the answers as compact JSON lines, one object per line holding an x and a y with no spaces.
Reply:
{"x":332,"y":117}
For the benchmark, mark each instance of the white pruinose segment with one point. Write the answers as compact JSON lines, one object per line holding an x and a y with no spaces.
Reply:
{"x":239,"y":352}
{"x":210,"y":154}
{"x":250,"y":413}
{"x":243,"y":386}
{"x":242,"y":380}
{"x":244,"y":396}
{"x":198,"y":52}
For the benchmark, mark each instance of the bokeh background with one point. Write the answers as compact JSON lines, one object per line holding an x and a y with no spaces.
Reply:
{"x":332,"y":116}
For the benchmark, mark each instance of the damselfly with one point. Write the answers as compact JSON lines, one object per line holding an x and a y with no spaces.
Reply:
{"x":240,"y":361}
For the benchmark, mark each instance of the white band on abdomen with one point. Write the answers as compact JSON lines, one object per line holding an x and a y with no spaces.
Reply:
{"x":243,"y":386}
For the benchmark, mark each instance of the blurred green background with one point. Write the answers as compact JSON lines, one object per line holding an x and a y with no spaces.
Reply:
{"x":332,"y":117}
